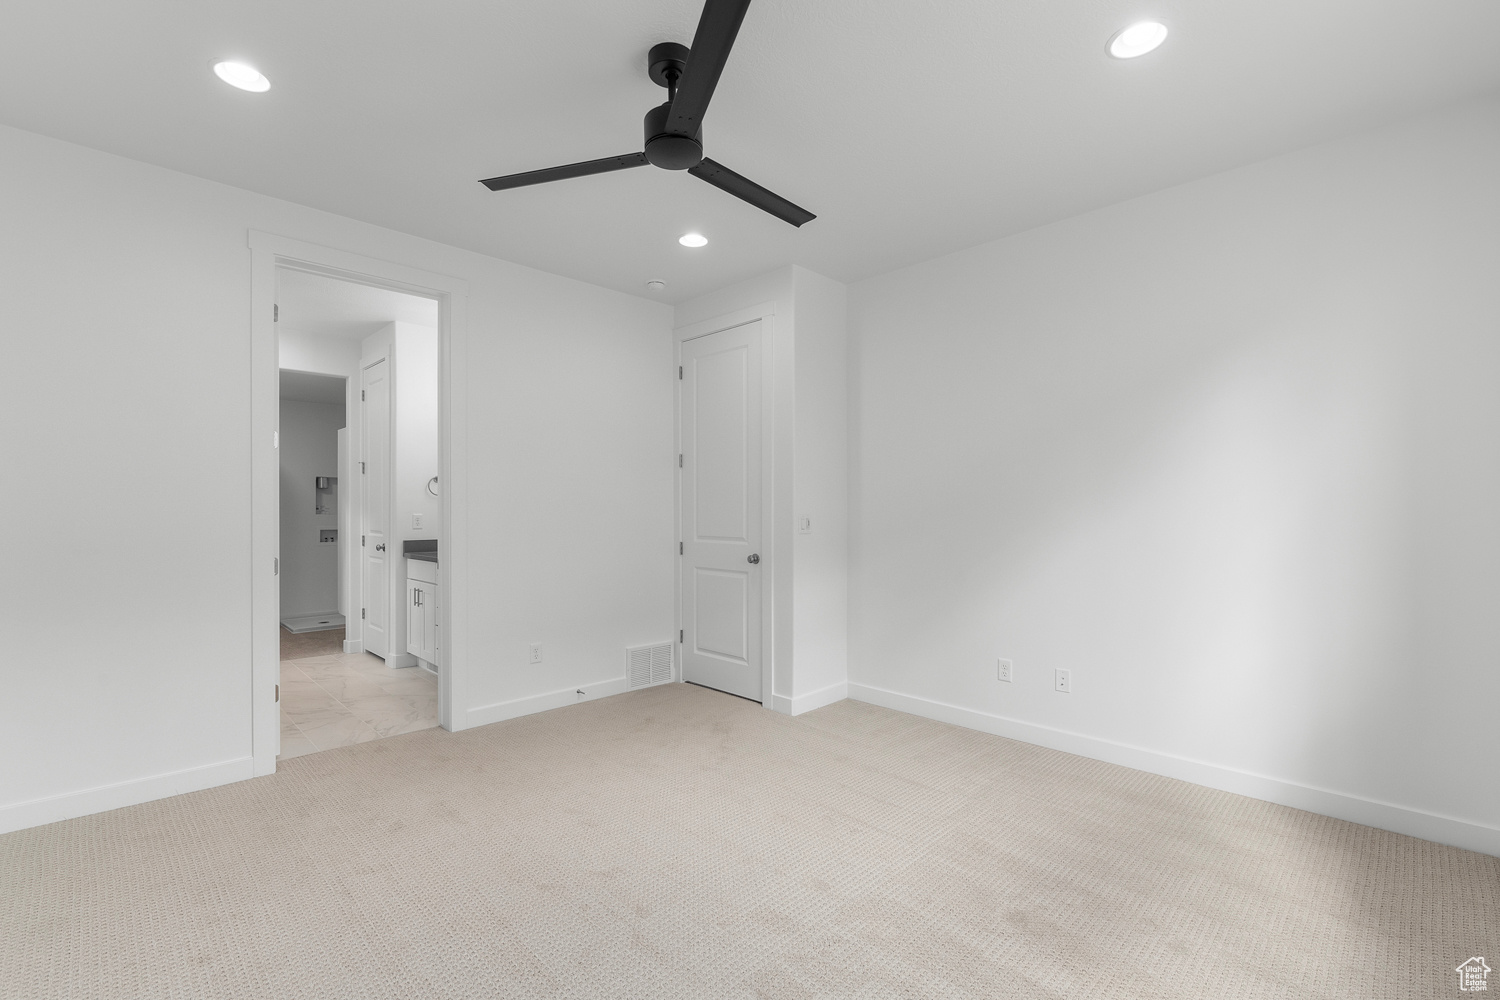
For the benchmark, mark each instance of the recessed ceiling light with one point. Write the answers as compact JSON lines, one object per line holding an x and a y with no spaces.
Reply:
{"x":693,"y":240}
{"x":243,"y":76}
{"x":1137,"y":40}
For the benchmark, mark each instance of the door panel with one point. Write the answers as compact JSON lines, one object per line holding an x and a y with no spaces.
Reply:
{"x":721,"y":511}
{"x":375,"y":438}
{"x":430,"y":624}
{"x":414,"y":621}
{"x":720,"y":449}
{"x":720,"y":600}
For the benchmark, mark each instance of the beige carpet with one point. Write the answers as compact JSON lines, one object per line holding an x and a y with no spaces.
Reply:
{"x":677,"y":843}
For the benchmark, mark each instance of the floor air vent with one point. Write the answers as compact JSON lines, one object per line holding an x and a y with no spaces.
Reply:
{"x":648,"y":665}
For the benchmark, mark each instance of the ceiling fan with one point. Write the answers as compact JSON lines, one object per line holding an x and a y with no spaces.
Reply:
{"x":674,"y":130}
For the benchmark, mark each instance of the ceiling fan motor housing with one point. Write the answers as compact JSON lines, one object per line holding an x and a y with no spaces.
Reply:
{"x":669,"y":150}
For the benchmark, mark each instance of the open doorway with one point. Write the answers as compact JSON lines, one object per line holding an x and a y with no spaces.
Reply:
{"x":361,"y":523}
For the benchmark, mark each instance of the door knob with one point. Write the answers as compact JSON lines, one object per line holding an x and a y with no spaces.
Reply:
{"x":380,"y":547}
{"x":754,"y":558}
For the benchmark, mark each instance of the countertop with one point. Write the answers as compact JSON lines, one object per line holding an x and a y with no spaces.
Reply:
{"x":422,"y":549}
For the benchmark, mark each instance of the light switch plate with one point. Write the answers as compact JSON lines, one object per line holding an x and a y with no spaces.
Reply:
{"x":416,"y":521}
{"x":1064,"y":682}
{"x":804,"y":525}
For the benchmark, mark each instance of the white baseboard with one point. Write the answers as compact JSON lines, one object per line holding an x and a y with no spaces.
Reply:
{"x":20,"y":815}
{"x":1370,"y":812}
{"x":545,"y":702}
{"x":811,"y":700}
{"x":354,"y":646}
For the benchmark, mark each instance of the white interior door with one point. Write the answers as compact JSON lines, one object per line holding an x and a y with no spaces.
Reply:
{"x":375,"y":503}
{"x":721,"y":510}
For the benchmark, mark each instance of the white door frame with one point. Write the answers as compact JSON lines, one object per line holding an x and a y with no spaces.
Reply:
{"x":267,"y":253}
{"x":766,"y":313}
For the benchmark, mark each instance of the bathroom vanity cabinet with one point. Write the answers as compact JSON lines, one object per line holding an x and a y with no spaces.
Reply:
{"x":422,"y":611}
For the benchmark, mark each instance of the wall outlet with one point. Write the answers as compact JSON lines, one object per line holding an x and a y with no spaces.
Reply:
{"x":1002,"y":670}
{"x":536,"y":652}
{"x":1063,"y":683}
{"x":804,"y":525}
{"x":416,"y":522}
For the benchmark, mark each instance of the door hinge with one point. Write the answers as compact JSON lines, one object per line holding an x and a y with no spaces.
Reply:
{"x":361,"y":468}
{"x":679,"y":636}
{"x":361,"y":395}
{"x":276,"y":314}
{"x":278,"y":692}
{"x":276,"y":567}
{"x":361,"y":541}
{"x":679,"y":549}
{"x":361,"y":613}
{"x":679,"y":459}
{"x":679,"y":372}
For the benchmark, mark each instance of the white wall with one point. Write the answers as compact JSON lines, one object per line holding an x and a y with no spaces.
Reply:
{"x":1228,"y":453}
{"x":309,"y":448}
{"x":805,"y":355}
{"x":128,"y":291}
{"x":820,"y":491}
{"x":572,"y":471}
{"x":300,"y":352}
{"x":416,"y":435}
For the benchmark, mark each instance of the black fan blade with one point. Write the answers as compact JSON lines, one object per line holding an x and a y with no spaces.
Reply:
{"x":563,"y":173}
{"x":725,"y":179}
{"x":716,"y":30}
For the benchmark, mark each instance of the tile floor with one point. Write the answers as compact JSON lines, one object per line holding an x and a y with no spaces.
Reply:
{"x":339,"y":699}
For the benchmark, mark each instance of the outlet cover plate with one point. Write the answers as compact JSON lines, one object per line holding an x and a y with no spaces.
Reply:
{"x":536,"y":652}
{"x":1064,"y":682}
{"x":1003,"y":671}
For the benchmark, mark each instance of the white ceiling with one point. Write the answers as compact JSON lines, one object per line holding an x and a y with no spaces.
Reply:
{"x":911,"y":129}
{"x":309,"y":388}
{"x":327,"y":307}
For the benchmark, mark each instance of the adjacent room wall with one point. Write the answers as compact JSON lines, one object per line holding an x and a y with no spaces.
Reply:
{"x":129,"y":288}
{"x":300,"y":352}
{"x":309,"y":448}
{"x":1230,"y":454}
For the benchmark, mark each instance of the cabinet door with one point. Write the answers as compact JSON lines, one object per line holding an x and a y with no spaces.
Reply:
{"x":429,"y":623}
{"x":415,"y":626}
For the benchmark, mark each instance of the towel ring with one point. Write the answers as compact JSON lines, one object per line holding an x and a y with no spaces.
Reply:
{"x":432,"y":486}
